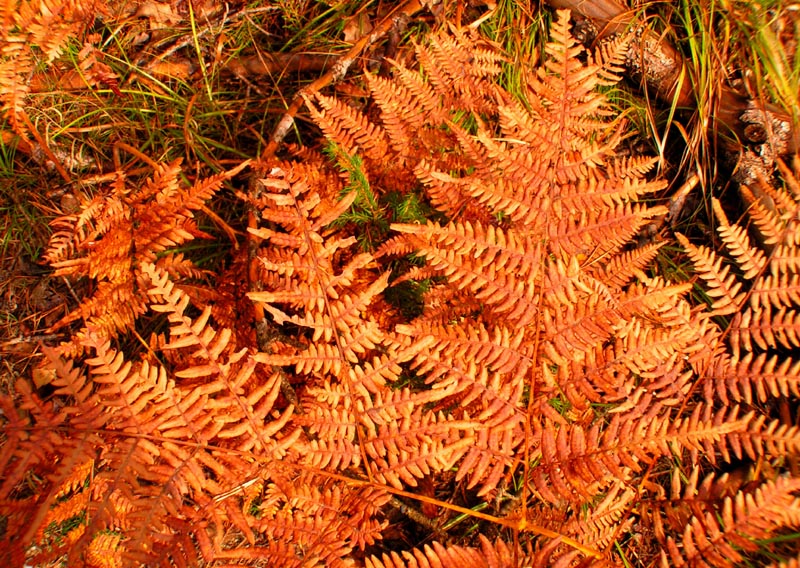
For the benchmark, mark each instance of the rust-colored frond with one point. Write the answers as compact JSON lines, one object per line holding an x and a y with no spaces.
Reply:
{"x":497,"y":555}
{"x":349,"y":128}
{"x":746,"y":518}
{"x":753,"y":378}
{"x":606,"y":232}
{"x":405,"y":113}
{"x":49,"y":23}
{"x":455,"y":322}
{"x":165,"y":451}
{"x":227,"y":372}
{"x":312,"y":522}
{"x":460,"y":67}
{"x":723,"y":286}
{"x":601,"y":523}
{"x":790,"y":563}
{"x":576,"y":463}
{"x":620,"y":269}
{"x":16,"y":64}
{"x":103,"y":552}
{"x":304,"y":271}
{"x":420,"y":110}
{"x":771,"y":320}
{"x":491,"y":263}
{"x":777,"y":290}
{"x":765,"y":328}
{"x":427,"y":105}
{"x":503,"y":350}
{"x":567,"y":88}
{"x":351,"y":415}
{"x":403,"y":451}
{"x":751,"y":260}
{"x":784,"y":259}
{"x":32,"y":440}
{"x":765,"y":217}
{"x":761,"y":438}
{"x":477,"y":197}
{"x":112,"y":238}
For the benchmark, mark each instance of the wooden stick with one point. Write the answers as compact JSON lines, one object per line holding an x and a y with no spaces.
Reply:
{"x":45,"y":148}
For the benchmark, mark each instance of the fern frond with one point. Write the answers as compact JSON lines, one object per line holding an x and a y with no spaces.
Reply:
{"x":784,"y":259}
{"x":576,"y":463}
{"x":751,"y":261}
{"x":761,"y":438}
{"x":403,"y":116}
{"x":34,"y":31}
{"x":449,"y":59}
{"x":104,"y":551}
{"x":752,"y":378}
{"x":111,"y":241}
{"x":746,"y":518}
{"x":766,"y":219}
{"x":547,"y":374}
{"x":403,"y":451}
{"x":323,"y":522}
{"x":16,"y":63}
{"x":566,"y":88}
{"x":767,"y":328}
{"x":790,"y":563}
{"x":620,"y":269}
{"x":349,"y":128}
{"x":723,"y":286}
{"x":776,"y":290}
{"x":600,"y":524}
{"x":491,"y":263}
{"x":497,"y":555}
{"x":500,"y":349}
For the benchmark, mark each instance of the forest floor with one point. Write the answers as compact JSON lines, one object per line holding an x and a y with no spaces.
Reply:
{"x":208,"y":83}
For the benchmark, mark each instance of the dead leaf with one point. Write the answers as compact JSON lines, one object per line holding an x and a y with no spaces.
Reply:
{"x":180,"y":69}
{"x":160,"y":14}
{"x":356,"y":27}
{"x":42,"y":377}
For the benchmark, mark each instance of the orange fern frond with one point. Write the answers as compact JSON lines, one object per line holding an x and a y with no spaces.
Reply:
{"x":752,"y":378}
{"x":542,"y":379}
{"x":723,"y":286}
{"x":497,"y":555}
{"x":745,"y":519}
{"x":112,"y":239}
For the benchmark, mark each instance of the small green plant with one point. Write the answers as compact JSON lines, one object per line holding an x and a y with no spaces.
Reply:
{"x":366,"y":213}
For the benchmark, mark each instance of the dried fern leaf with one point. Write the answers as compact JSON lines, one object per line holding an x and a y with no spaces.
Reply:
{"x":497,"y":555}
{"x":745,"y":519}
{"x":722,"y":284}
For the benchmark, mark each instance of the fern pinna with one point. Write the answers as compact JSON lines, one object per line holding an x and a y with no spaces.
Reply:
{"x":551,"y":400}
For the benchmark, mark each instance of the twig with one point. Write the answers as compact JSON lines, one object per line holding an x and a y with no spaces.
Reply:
{"x":30,"y":339}
{"x":45,"y":148}
{"x":275,"y":63}
{"x":414,"y":514}
{"x":678,"y":199}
